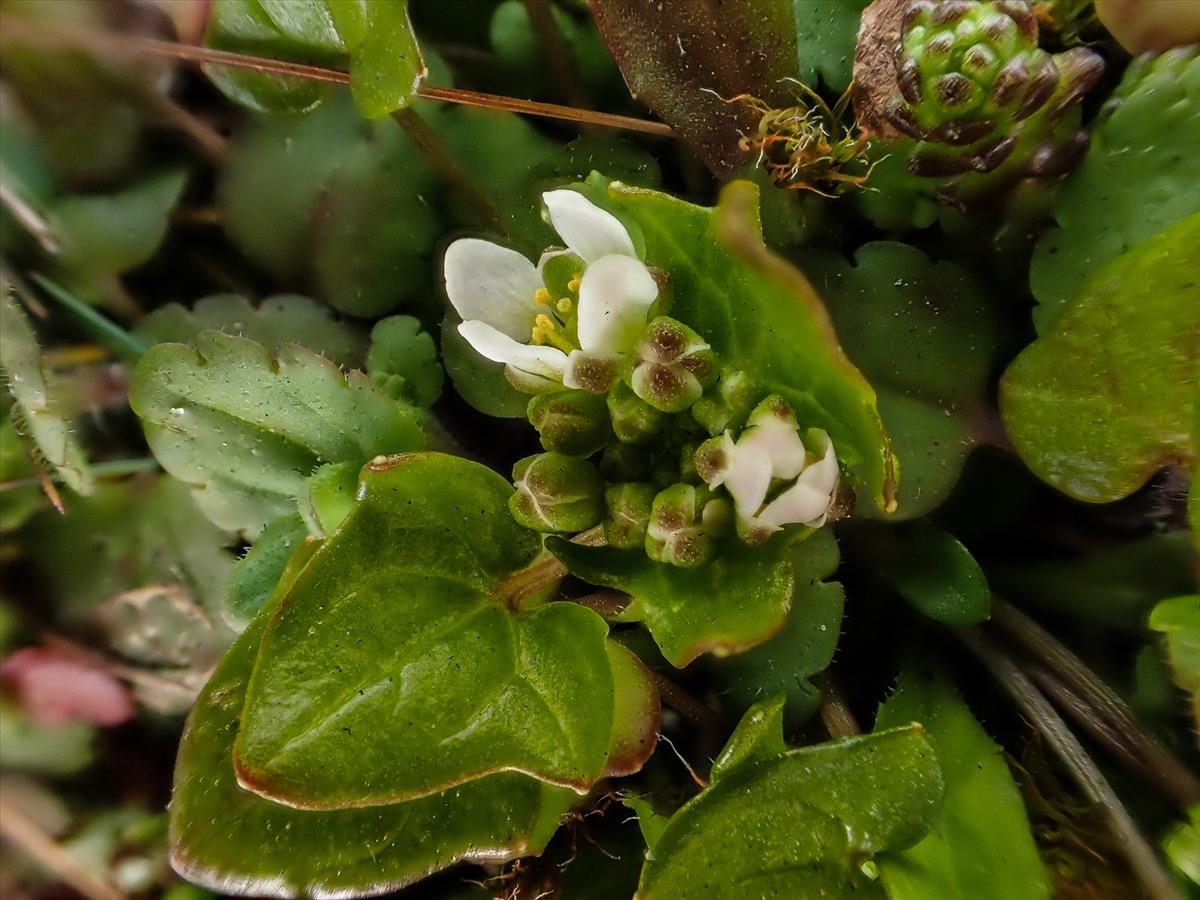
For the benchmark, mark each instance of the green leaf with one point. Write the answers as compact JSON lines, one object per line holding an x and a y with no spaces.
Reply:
{"x":434,"y":682}
{"x":54,"y":750}
{"x":826,"y":38}
{"x":762,"y":316}
{"x":804,"y":647}
{"x":726,"y":606}
{"x":1182,"y":846}
{"x":796,"y":823}
{"x":245,"y":430}
{"x":477,"y":380}
{"x":1108,"y":396}
{"x":1138,"y":178}
{"x":232,"y":841}
{"x":1178,"y":619}
{"x":401,"y":350}
{"x":652,"y":824}
{"x":981,"y":845}
{"x":328,"y":497}
{"x":276,"y":321}
{"x":927,"y":338}
{"x":386,"y":67}
{"x":37,"y":411}
{"x":254,"y":577}
{"x":929,"y":568}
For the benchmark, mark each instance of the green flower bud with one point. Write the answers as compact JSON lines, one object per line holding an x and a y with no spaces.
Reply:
{"x":628,"y":513}
{"x":727,"y":404}
{"x":672,"y":366}
{"x":687,"y":525}
{"x":634,"y":421}
{"x":556,"y":493}
{"x":571,"y":422}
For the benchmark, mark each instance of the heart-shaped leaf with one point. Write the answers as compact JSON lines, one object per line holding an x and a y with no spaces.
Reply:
{"x":981,"y":846}
{"x":246,"y":430}
{"x":925,"y":335}
{"x":232,"y":841}
{"x":779,"y":822}
{"x":1138,"y":178}
{"x":395,"y":669}
{"x":1108,"y":396}
{"x":761,"y":315}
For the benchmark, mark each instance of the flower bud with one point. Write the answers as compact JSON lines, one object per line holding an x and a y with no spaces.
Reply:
{"x":634,"y":421}
{"x":687,"y":525}
{"x":571,"y":422}
{"x":626,"y":462}
{"x":672,"y":366}
{"x":728,"y":403}
{"x":627,"y":513}
{"x":556,"y":493}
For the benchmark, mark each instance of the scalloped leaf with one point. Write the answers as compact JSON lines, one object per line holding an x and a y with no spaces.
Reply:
{"x":1108,"y":396}
{"x":981,"y":845}
{"x":761,"y":315}
{"x":1138,"y":178}
{"x":245,"y":429}
{"x":277,"y":320}
{"x":404,"y":361}
{"x":232,"y":841}
{"x":394,"y":668}
{"x":925,"y":335}
{"x":780,"y":822}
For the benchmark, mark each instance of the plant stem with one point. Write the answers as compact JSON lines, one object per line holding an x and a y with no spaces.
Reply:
{"x":1097,"y":707}
{"x":120,"y":44}
{"x":29,"y":218}
{"x":835,"y":712}
{"x":516,"y":587}
{"x":688,"y":706}
{"x":558,"y":55}
{"x":106,"y":331}
{"x":444,"y":162}
{"x":1142,"y":858}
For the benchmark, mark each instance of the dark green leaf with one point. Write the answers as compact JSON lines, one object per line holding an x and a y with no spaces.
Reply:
{"x":479,"y":381}
{"x":981,"y":845}
{"x":762,"y":316}
{"x":233,"y":841}
{"x":392,"y":670}
{"x":246,"y":430}
{"x":826,"y":37}
{"x":796,"y":823}
{"x":254,"y":577}
{"x":1138,"y":178}
{"x":401,"y":350}
{"x":1109,"y":395}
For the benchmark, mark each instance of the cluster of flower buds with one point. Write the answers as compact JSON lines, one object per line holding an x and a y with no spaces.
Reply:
{"x":644,"y":432}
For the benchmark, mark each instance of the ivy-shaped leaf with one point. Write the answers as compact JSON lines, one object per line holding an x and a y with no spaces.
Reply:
{"x":779,"y":822}
{"x":386,"y":67}
{"x":1109,"y":394}
{"x":277,"y":320}
{"x":232,"y":841}
{"x":403,"y":360}
{"x":981,"y":845}
{"x":762,"y":316}
{"x":1178,"y":620}
{"x":394,"y":668}
{"x":36,"y":410}
{"x":926,"y":337}
{"x":1138,"y":178}
{"x":245,"y":430}
{"x":826,"y":37}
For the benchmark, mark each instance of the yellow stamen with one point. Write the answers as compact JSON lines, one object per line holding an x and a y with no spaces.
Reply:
{"x":564,"y":304}
{"x":573,"y":284}
{"x":541,"y":296}
{"x":539,"y":337}
{"x":545,"y":323}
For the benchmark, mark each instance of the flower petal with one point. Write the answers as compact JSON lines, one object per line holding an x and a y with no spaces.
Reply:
{"x":615,"y":296}
{"x":801,"y":503}
{"x":822,"y":474}
{"x":747,"y":478}
{"x":780,"y":442}
{"x":586,"y":228}
{"x":548,"y":362}
{"x":492,"y":284}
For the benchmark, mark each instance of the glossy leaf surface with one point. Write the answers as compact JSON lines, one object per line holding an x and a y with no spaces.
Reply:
{"x":1108,"y":396}
{"x":761,"y":315}
{"x":393,"y":669}
{"x":779,"y":822}
{"x":232,"y":841}
{"x":981,"y":846}
{"x":245,"y":429}
{"x":1178,"y":619}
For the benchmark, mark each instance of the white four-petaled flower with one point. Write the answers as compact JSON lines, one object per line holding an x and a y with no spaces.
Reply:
{"x":770,"y":453}
{"x":510,"y":316}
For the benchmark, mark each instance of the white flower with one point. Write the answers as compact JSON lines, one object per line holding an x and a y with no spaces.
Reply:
{"x":770,"y":459}
{"x":510,"y":315}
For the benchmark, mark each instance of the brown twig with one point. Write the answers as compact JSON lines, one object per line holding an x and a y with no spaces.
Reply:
{"x":119,"y":44}
{"x":1144,"y":862}
{"x":27,"y":836}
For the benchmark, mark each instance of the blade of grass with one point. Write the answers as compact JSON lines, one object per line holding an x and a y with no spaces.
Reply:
{"x":99,"y":326}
